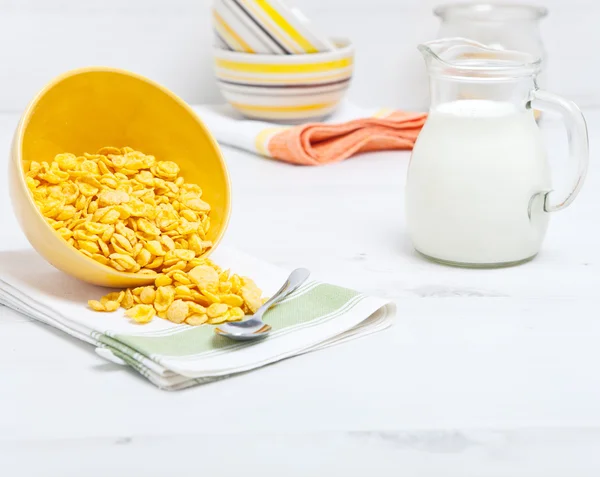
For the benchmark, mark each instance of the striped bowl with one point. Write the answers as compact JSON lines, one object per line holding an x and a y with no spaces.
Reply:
{"x":266,"y":26}
{"x":285,"y":88}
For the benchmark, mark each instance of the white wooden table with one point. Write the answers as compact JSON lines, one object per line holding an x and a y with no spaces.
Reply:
{"x":485,"y":373}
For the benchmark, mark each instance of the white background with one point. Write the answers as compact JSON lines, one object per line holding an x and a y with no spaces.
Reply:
{"x":170,"y":41}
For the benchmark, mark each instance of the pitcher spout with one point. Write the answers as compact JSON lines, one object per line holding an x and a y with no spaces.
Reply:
{"x":464,"y":57}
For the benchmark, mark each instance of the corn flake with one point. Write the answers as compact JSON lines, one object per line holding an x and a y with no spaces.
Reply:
{"x":141,"y":313}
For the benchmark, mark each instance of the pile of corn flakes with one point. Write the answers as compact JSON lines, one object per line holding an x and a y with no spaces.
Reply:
{"x":128,"y":211}
{"x":204,"y":294}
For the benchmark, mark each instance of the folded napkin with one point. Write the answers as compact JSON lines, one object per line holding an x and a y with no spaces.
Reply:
{"x":178,"y":356}
{"x":350,"y":130}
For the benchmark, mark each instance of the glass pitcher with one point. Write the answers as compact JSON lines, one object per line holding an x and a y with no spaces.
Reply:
{"x":478,"y":191}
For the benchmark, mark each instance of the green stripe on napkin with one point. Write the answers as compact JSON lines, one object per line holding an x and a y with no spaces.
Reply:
{"x":318,"y":302}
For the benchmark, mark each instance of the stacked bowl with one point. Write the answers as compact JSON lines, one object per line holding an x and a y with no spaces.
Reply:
{"x":272,"y":64}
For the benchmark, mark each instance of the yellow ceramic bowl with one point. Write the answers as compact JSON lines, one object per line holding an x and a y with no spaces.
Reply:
{"x":89,"y":108}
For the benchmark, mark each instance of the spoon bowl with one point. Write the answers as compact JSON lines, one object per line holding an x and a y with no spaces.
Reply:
{"x":254,"y":328}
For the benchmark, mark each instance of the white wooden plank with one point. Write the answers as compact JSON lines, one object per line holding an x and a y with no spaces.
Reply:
{"x":451,"y":453}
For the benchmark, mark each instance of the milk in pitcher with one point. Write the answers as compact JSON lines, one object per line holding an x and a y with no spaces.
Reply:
{"x":473,"y":184}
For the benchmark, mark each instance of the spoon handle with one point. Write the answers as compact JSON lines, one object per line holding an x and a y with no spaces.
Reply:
{"x":293,"y":282}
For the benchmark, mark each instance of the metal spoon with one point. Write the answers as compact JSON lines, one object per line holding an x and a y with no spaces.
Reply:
{"x":254,"y":327}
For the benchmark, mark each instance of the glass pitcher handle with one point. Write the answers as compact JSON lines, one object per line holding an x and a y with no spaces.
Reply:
{"x":578,"y":143}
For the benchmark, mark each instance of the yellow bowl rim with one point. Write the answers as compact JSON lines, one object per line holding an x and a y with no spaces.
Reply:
{"x":87,"y":69}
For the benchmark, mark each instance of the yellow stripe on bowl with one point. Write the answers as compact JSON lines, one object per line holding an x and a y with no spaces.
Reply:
{"x":262,"y":18}
{"x":223,"y":26}
{"x":283,"y":68}
{"x":229,"y":41}
{"x":282,"y":23}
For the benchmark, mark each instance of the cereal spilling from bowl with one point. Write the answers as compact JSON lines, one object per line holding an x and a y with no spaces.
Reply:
{"x":204,"y":294}
{"x":128,"y":211}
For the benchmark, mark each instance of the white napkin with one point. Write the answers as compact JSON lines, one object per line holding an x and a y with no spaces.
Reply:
{"x":178,"y":356}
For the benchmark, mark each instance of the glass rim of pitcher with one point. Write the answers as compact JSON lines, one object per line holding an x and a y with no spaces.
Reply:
{"x":515,"y":63}
{"x":484,"y":11}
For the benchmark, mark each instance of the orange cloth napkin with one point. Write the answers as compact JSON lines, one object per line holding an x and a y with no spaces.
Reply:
{"x":322,"y":143}
{"x":349,"y":131}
